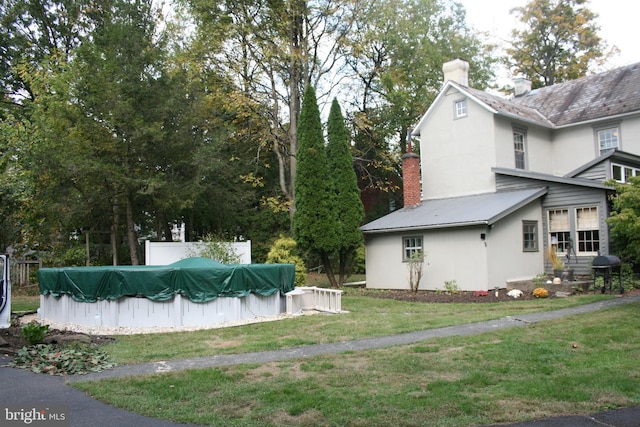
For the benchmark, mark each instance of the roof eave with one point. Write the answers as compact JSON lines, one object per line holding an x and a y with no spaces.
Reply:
{"x":427,"y":227}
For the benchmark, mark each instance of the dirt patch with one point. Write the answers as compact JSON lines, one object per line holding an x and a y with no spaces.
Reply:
{"x":12,"y":340}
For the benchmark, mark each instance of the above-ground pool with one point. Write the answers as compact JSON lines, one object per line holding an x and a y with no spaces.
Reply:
{"x":190,"y":292}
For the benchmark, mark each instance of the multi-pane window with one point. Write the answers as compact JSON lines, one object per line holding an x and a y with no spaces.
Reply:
{"x":608,"y":139}
{"x":587,"y":228}
{"x":461,"y":108}
{"x":518,"y":148}
{"x":623,"y":173}
{"x":559,"y":229}
{"x":411,"y":245}
{"x":529,"y":236}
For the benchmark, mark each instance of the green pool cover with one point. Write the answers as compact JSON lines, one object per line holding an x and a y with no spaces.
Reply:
{"x":199,"y":279}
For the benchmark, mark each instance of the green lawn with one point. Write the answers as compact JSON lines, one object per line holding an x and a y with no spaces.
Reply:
{"x":25,"y":298}
{"x":577,"y":364}
{"x":367,"y":317}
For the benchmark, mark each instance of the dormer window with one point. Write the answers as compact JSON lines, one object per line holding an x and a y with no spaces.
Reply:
{"x":461,"y":109}
{"x":608,"y":138}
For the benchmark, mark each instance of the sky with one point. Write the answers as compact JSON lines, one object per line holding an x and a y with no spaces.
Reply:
{"x":618,"y":20}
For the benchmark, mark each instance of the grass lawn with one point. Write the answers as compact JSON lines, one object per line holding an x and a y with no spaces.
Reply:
{"x":367,"y":317}
{"x":577,"y":364}
{"x":25,"y":298}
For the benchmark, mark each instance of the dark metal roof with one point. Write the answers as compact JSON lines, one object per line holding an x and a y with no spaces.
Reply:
{"x":612,"y":155}
{"x":538,"y":176}
{"x":608,"y":94}
{"x":480,"y":209}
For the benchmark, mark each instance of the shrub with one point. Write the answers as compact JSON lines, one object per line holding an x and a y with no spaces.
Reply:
{"x":217,"y":249}
{"x":282,"y":252}
{"x":451,"y":286}
{"x":540,"y":279}
{"x":34,"y":332}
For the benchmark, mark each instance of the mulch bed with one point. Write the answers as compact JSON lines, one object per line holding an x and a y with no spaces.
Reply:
{"x":445,"y":297}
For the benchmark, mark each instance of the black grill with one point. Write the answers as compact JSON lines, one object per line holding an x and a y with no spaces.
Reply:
{"x":606,"y":261}
{"x":607,"y":266}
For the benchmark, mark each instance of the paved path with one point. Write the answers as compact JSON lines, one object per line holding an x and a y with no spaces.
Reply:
{"x":19,"y":387}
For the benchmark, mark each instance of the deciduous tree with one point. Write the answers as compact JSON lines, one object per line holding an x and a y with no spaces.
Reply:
{"x":559,"y":41}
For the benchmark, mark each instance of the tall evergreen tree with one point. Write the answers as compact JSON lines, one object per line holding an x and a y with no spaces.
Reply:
{"x":350,"y":210}
{"x":315,"y":216}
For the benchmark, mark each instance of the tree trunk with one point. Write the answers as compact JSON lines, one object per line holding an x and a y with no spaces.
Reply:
{"x":115,"y":224}
{"x":328,"y":269}
{"x":87,"y":248}
{"x":132,"y":236}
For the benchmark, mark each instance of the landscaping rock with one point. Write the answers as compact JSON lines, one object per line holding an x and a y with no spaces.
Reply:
{"x":67,"y":338}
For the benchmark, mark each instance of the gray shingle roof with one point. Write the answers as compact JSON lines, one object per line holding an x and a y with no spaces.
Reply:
{"x":509,"y":108}
{"x":607,"y":94}
{"x":455,"y":211}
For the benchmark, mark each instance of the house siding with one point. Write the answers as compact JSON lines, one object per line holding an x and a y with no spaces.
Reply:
{"x":563,"y":196}
{"x":600,"y":172}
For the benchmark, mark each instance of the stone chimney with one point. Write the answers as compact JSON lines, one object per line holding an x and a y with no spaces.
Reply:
{"x":411,"y":176}
{"x":456,"y":71}
{"x":521,"y":86}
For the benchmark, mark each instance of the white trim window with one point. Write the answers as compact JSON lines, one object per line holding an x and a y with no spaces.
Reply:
{"x":410,"y":246}
{"x":461,"y":109}
{"x":559,"y":229}
{"x":623,"y":173}
{"x":519,"y":138}
{"x":608,"y":139}
{"x":587,"y":230}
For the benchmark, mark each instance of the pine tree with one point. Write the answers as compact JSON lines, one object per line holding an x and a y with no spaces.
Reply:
{"x":350,"y":210}
{"x":315,"y":200}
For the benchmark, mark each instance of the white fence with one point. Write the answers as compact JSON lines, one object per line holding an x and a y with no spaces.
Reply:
{"x":313,"y":298}
{"x":165,"y":253}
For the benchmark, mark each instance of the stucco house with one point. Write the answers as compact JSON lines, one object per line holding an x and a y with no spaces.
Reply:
{"x":499,"y":181}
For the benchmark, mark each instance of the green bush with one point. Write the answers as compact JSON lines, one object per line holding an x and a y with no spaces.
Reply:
{"x":283,"y":252}
{"x":34,"y":332}
{"x":217,"y":249}
{"x":359,"y":264}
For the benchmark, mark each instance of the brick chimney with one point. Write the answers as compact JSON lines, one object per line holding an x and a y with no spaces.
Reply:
{"x":411,"y":176}
{"x":457,"y":71}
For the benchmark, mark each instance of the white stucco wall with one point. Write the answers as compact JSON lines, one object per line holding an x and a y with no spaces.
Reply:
{"x":576,"y":145}
{"x":538,"y":145}
{"x":457,"y":158}
{"x":459,"y":254}
{"x":506,"y":260}
{"x":451,"y":254}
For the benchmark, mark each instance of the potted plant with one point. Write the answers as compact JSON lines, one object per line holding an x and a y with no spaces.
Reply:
{"x":556,"y":262}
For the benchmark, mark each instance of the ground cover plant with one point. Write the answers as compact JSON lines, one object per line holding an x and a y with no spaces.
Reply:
{"x":573,"y":365}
